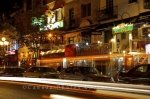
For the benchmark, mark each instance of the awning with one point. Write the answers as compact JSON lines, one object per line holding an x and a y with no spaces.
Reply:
{"x":144,"y":17}
{"x":55,"y":51}
{"x":83,"y":29}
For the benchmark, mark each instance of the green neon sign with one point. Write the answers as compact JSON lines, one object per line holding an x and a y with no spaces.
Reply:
{"x":122,"y":28}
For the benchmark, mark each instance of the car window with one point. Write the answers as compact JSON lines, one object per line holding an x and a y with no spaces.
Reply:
{"x":142,"y":69}
{"x":75,"y":70}
{"x":32,"y":69}
{"x":42,"y":69}
{"x":9,"y":70}
{"x":20,"y":70}
{"x":51,"y":70}
{"x":69,"y":70}
{"x":88,"y":70}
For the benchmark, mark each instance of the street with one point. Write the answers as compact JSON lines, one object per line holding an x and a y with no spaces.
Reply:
{"x":31,"y":91}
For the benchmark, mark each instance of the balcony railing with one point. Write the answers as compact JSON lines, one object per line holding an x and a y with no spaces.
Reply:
{"x":105,"y":14}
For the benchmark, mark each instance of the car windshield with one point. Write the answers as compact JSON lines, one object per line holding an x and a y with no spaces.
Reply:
{"x":88,"y":70}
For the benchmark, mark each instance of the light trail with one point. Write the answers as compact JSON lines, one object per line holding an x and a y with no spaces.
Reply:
{"x":55,"y":96}
{"x":138,"y":89}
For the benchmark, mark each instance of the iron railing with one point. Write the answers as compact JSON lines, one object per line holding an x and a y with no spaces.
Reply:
{"x":104,"y":14}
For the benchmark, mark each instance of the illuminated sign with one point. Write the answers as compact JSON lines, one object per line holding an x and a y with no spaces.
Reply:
{"x":122,"y":28}
{"x":41,"y":22}
{"x":48,"y":21}
{"x":55,"y":25}
{"x":11,"y":52}
{"x":53,"y":21}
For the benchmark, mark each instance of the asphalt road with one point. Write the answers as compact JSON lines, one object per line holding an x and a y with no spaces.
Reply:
{"x":36,"y":91}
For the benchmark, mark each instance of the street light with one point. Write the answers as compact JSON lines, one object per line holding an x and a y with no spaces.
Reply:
{"x":4,"y":43}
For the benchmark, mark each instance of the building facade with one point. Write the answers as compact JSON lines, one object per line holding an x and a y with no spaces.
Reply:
{"x":100,"y":29}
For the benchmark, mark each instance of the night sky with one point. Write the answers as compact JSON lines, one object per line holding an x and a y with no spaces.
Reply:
{"x":8,"y":6}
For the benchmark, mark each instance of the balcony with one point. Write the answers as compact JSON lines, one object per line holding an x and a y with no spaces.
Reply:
{"x":105,"y":14}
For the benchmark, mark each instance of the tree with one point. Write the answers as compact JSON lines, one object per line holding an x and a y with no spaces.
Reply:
{"x":9,"y":32}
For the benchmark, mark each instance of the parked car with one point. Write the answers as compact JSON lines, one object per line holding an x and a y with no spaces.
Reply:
{"x":11,"y":71}
{"x":41,"y":72}
{"x":83,"y":74}
{"x":139,"y":74}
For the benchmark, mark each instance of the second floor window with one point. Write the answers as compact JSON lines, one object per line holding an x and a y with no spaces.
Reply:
{"x":58,"y":15}
{"x":44,"y":2}
{"x":132,"y":1}
{"x":71,"y":13}
{"x":147,"y":4}
{"x":85,"y":10}
{"x":71,"y":17}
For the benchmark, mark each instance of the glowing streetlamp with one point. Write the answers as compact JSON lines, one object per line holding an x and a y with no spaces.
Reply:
{"x":50,"y":35}
{"x":3,"y":42}
{"x":3,"y":39}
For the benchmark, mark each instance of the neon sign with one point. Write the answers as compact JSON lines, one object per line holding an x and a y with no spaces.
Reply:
{"x":122,"y":28}
{"x":41,"y":22}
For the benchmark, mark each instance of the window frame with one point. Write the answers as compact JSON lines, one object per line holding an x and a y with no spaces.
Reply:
{"x":132,"y":1}
{"x":86,"y":10}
